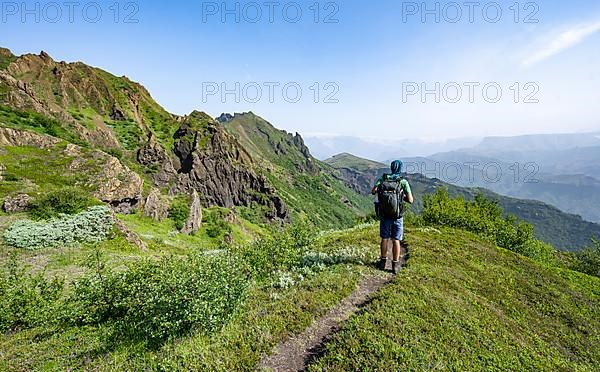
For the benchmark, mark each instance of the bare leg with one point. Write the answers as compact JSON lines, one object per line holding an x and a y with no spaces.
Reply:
{"x":396,"y":250}
{"x":384,"y":247}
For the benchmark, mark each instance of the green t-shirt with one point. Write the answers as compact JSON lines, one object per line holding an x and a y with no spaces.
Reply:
{"x":403,"y":183}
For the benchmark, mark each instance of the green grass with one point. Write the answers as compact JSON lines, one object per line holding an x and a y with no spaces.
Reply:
{"x":18,"y":119}
{"x":463,"y":304}
{"x":85,"y":116}
{"x":350,"y":161}
{"x":6,"y":60}
{"x":128,"y":133}
{"x":29,"y":169}
{"x":164,"y":233}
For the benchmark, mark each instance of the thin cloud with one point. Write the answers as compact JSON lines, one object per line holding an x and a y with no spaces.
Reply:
{"x":562,"y":42}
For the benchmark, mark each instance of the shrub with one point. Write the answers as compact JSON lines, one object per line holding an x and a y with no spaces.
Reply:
{"x":215,"y":223}
{"x":315,"y":262}
{"x":280,"y":251}
{"x":155,"y":300}
{"x":179,"y":211}
{"x":91,"y":226}
{"x":539,"y":251}
{"x":26,"y":300}
{"x":589,"y":259}
{"x":63,"y":201}
{"x":115,"y":152}
{"x":480,"y":216}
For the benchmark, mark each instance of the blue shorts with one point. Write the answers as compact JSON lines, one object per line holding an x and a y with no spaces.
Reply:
{"x":390,"y":228}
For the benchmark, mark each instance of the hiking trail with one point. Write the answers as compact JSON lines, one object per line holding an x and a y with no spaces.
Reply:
{"x":298,"y":351}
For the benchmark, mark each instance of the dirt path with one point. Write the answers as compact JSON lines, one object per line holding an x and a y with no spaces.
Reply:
{"x":298,"y":351}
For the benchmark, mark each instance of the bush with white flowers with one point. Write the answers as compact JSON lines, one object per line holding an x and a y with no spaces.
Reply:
{"x":90,"y":226}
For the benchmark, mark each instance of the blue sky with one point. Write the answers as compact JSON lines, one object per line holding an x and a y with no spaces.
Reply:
{"x":369,"y":57}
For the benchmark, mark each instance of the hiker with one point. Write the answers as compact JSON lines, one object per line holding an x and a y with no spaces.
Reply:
{"x":391,"y":192}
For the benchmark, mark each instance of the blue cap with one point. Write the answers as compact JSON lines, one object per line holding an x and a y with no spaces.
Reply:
{"x":396,"y":167}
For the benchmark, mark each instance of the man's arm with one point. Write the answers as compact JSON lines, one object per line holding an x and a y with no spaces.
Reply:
{"x":374,"y":189}
{"x":408,"y":196}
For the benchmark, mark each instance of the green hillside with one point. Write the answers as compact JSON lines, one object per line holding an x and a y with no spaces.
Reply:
{"x":464,"y":305}
{"x":565,"y":231}
{"x":346,"y":160}
{"x":459,"y":293}
{"x":306,"y":185}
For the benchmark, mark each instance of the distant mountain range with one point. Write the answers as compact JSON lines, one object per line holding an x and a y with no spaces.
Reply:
{"x":326,"y":146}
{"x":559,"y":169}
{"x":563,"y":230}
{"x":568,"y":179}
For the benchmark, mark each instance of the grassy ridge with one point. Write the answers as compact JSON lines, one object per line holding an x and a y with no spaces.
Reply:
{"x":306,"y":185}
{"x":463,"y":304}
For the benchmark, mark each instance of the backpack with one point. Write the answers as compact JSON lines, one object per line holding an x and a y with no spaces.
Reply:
{"x":391,"y":198}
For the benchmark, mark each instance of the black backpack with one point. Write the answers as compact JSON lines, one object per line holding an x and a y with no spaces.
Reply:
{"x":391,"y":198}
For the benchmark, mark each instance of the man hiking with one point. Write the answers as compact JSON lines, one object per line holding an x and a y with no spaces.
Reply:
{"x":392,"y":191}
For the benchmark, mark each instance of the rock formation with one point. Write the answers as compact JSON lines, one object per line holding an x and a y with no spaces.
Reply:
{"x":156,"y":206}
{"x":194,"y":221}
{"x":17,"y":203}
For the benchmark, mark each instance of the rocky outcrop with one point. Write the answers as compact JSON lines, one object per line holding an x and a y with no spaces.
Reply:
{"x":54,"y":89}
{"x":17,"y":203}
{"x":118,"y":186}
{"x":194,"y":221}
{"x":115,"y":183}
{"x":156,"y":206}
{"x":214,"y":164}
{"x":154,"y":156}
{"x":203,"y":157}
{"x":15,"y":137}
{"x":224,"y":118}
{"x":309,"y":164}
{"x":361,"y":182}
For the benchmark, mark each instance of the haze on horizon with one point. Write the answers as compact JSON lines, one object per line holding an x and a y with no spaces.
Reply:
{"x":544,"y":60}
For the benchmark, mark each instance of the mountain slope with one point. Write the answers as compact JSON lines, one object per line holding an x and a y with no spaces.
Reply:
{"x":306,"y":185}
{"x":563,"y":230}
{"x":462,"y":304}
{"x":92,"y":108}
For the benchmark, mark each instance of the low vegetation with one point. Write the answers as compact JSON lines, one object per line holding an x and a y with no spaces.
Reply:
{"x":462,"y":304}
{"x":61,"y":201}
{"x":179,"y":210}
{"x":90,"y":226}
{"x":18,"y":119}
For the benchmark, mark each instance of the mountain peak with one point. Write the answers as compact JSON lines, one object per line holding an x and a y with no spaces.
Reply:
{"x":45,"y":56}
{"x":224,"y":118}
{"x":227,"y":117}
{"x":5,"y":52}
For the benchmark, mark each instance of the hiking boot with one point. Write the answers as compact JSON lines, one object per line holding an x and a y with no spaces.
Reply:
{"x":396,"y":266}
{"x":381,"y":263}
